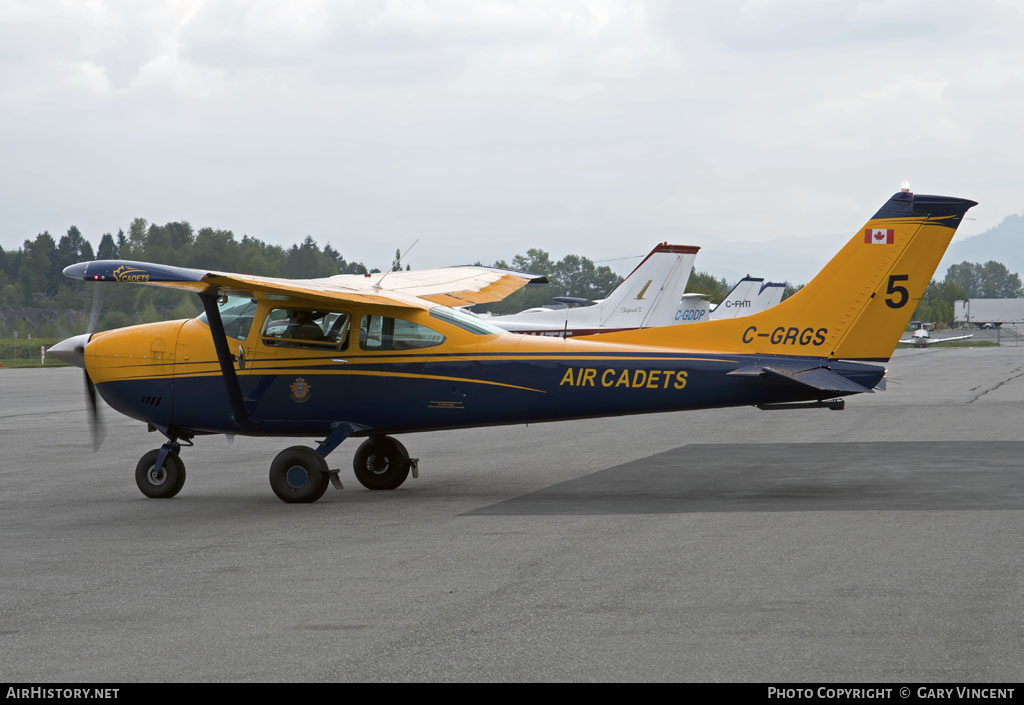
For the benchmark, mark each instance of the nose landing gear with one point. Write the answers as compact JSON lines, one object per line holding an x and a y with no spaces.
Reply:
{"x":160,"y":473}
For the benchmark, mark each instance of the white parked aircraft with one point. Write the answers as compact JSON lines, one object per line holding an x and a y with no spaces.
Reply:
{"x":648,"y":298}
{"x":921,"y":339}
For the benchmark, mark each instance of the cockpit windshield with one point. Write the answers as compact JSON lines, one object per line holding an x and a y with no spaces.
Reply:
{"x":236,"y":312}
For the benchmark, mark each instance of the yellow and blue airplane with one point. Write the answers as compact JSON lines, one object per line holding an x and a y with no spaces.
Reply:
{"x":384,"y":355}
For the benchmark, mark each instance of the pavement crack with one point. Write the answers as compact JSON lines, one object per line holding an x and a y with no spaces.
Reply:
{"x":42,"y":413}
{"x":1014,"y":374}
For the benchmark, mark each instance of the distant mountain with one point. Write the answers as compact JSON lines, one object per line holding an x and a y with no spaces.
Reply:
{"x":1003,"y":243}
{"x":795,"y":259}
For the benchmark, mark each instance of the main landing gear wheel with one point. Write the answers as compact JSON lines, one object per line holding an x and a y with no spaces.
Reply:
{"x":381,"y":463}
{"x":163,"y":484}
{"x":299,"y":475}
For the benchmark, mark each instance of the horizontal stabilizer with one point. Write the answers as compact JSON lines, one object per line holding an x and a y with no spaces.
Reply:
{"x":791,"y":366}
{"x":821,"y":378}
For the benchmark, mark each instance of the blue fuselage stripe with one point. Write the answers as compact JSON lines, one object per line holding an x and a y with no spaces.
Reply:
{"x":414,"y":395}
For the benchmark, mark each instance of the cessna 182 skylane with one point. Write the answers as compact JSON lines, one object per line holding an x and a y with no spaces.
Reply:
{"x":328,"y":358}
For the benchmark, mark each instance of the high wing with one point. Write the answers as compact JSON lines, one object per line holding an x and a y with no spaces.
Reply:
{"x":449,"y":286}
{"x":946,"y":340}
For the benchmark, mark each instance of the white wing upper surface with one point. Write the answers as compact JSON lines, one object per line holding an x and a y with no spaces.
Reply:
{"x":449,"y":286}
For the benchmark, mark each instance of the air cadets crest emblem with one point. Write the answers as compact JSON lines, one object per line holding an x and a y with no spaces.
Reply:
{"x":300,"y":390}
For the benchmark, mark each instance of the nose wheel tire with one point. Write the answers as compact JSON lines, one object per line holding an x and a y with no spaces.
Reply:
{"x":299,"y":475}
{"x":161,"y":484}
{"x":381,"y":463}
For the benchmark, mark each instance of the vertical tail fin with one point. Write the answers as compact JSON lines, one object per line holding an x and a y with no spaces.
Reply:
{"x":857,"y":306}
{"x":750,"y":295}
{"x":650,"y":295}
{"x":876,"y":319}
{"x":771,"y":294}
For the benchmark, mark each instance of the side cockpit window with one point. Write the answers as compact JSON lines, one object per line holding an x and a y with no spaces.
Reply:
{"x":306,"y":328}
{"x":384,"y":333}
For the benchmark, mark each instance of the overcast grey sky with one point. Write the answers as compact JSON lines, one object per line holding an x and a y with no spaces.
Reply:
{"x":483,"y":128}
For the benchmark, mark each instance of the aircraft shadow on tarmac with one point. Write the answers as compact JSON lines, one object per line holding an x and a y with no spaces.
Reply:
{"x":791,"y":477}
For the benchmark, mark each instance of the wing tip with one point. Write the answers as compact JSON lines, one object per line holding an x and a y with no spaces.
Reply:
{"x":112,"y":270}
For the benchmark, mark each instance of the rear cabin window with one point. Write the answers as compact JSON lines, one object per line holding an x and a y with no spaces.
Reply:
{"x":305,"y":328}
{"x":383,"y":333}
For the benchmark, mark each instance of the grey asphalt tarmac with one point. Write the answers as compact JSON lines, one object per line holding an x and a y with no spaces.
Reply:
{"x":879,"y":543}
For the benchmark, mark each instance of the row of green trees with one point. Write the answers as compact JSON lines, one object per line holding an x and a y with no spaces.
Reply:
{"x":32,"y":276}
{"x":570,"y":276}
{"x":967,"y":280}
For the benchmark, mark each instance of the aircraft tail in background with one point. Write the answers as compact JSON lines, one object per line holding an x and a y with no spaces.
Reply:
{"x":750,"y":295}
{"x":649,"y":296}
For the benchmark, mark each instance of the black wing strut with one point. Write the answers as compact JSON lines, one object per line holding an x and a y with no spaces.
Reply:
{"x":226,"y":360}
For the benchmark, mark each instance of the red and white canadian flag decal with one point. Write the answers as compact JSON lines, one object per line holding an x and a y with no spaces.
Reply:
{"x":879,"y":237}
